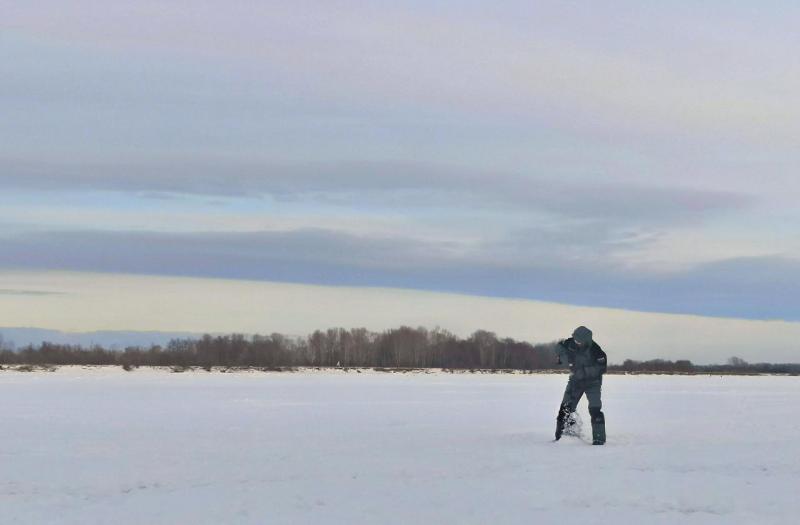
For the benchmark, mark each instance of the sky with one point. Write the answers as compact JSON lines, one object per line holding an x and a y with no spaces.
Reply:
{"x":640,"y":156}
{"x":119,"y":310}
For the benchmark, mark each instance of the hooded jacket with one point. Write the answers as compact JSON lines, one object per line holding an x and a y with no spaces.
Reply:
{"x":586,"y":363}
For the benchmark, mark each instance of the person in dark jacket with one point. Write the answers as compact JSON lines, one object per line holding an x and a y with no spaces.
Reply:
{"x":587,"y":364}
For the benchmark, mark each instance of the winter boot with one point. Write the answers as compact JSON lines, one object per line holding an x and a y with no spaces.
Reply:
{"x":561,"y":420}
{"x":598,"y":426}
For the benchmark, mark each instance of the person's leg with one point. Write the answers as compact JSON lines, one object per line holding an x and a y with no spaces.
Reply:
{"x":566,"y":408}
{"x":572,"y":425}
{"x":572,"y":395}
{"x":593,"y":391}
{"x":578,"y":388}
{"x":561,"y":419}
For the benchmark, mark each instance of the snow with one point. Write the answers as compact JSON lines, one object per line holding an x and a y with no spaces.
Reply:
{"x":100,"y":445}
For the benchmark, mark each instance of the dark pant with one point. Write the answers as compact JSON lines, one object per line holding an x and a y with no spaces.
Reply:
{"x":572,"y":395}
{"x":576,"y":389}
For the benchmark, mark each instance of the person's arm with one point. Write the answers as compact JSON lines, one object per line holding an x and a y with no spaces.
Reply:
{"x":562,"y":349}
{"x":602,"y":360}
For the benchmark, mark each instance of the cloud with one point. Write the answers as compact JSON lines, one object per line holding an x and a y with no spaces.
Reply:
{"x":385,"y":184}
{"x":511,"y":149}
{"x":483,"y":61}
{"x":762,"y":288}
{"x":7,"y":291}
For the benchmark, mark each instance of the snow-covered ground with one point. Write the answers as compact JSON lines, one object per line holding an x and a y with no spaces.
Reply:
{"x":105,"y":446}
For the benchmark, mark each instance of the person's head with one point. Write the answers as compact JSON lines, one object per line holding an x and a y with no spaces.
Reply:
{"x":582,"y":336}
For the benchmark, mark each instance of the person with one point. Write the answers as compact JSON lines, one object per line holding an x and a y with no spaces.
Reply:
{"x":587,"y":364}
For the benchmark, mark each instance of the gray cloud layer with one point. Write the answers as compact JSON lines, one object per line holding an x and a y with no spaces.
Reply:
{"x":758,"y":287}
{"x":385,"y":184}
{"x":515,"y":128}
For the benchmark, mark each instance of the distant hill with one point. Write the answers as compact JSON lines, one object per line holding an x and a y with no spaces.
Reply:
{"x":16,"y":337}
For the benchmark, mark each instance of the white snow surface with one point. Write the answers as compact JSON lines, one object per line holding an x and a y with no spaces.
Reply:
{"x":100,"y":445}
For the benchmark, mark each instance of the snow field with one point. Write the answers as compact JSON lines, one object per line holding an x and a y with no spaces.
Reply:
{"x":106,"y":446}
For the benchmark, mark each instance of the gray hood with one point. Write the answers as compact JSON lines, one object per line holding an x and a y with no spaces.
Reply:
{"x":582,"y":335}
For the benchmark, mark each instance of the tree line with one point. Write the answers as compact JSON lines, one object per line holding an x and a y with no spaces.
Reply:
{"x":403,"y":347}
{"x":734,"y":365}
